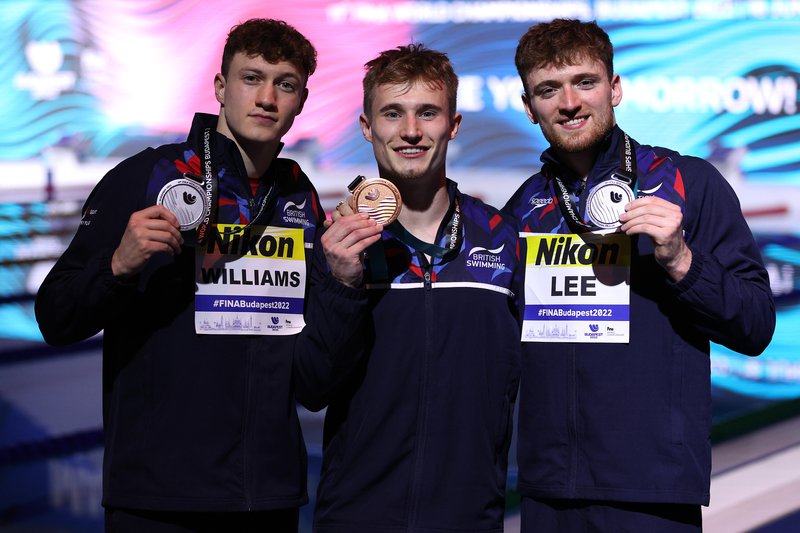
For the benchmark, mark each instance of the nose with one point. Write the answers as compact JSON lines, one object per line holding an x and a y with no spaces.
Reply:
{"x":410,"y":131}
{"x":570,"y":100}
{"x":265,"y":97}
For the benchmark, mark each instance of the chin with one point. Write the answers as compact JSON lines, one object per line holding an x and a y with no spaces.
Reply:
{"x":399,"y":174}
{"x":411,"y":175}
{"x":581,"y":143}
{"x":574,"y":147}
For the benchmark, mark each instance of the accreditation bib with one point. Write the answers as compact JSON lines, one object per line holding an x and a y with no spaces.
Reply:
{"x":251,"y":282}
{"x":577,"y":288}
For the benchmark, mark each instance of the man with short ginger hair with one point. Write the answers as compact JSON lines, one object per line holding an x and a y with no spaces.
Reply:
{"x":417,"y":438}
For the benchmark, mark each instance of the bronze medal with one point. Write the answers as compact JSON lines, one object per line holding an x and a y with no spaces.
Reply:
{"x":377,"y":197}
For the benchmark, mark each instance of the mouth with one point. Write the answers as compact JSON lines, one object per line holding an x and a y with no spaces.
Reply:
{"x":574,"y":123}
{"x":411,"y":151}
{"x":265,"y":118}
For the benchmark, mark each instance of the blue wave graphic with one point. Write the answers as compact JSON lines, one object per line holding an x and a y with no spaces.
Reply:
{"x":774,"y":375}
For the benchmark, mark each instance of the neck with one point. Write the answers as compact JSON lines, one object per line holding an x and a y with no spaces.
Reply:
{"x":581,"y":163}
{"x":257,"y":156}
{"x":256,"y":162}
{"x":423,"y":208}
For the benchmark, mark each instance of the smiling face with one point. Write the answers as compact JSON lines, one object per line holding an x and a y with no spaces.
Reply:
{"x":573,"y":104}
{"x":409,"y":126}
{"x":259,"y":101}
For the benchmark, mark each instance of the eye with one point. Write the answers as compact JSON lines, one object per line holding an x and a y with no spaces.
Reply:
{"x":287,"y":86}
{"x":587,"y":84}
{"x":428,"y":114}
{"x":545,"y":92}
{"x":250,"y":78}
{"x":392,"y":115}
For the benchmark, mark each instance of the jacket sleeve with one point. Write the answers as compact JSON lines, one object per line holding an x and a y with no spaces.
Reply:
{"x":334,"y":340}
{"x":80,"y":294}
{"x":727,"y":287}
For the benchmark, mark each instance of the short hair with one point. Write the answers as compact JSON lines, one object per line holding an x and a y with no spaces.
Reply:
{"x":562,"y":42}
{"x":409,"y":64}
{"x":274,"y":40}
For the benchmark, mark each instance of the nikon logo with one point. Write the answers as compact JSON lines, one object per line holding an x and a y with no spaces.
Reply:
{"x":249,"y":243}
{"x":563,"y":251}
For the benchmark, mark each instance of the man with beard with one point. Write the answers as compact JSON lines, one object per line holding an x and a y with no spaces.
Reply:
{"x":417,"y":438}
{"x":623,"y":294}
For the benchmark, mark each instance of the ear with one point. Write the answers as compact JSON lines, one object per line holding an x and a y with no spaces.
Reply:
{"x":219,"y":88}
{"x":455,"y":124}
{"x":303,"y":99}
{"x":366,"y":129}
{"x":616,"y":90}
{"x":529,"y":109}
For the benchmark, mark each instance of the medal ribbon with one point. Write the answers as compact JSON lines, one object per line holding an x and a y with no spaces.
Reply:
{"x":455,"y":231}
{"x":211,"y":186}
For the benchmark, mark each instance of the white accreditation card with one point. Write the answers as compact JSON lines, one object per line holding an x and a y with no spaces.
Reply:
{"x":577,"y":288}
{"x":250,"y":283}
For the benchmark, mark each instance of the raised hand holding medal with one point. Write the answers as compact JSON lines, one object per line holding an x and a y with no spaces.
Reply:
{"x":351,"y":231}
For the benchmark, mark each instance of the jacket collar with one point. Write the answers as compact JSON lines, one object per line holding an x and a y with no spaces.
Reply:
{"x":224,"y":147}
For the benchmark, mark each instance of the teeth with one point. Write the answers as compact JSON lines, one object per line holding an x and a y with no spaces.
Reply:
{"x":573,"y":121}
{"x":410,"y":151}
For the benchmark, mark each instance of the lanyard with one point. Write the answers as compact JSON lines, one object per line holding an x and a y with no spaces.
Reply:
{"x":211,"y":186}
{"x":619,"y":187}
{"x":455,"y":235}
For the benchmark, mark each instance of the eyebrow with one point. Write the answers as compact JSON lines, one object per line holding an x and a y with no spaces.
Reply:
{"x":575,"y":77}
{"x":394,"y":106}
{"x":280,"y":75}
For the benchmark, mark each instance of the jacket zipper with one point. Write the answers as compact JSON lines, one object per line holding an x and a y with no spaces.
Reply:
{"x":422,"y":410}
{"x":572,"y":429}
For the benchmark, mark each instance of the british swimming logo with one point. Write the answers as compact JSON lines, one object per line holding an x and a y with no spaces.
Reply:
{"x":295,"y":213}
{"x":481,"y":257}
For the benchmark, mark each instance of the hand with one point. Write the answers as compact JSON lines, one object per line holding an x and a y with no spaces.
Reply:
{"x":662,"y":221}
{"x":344,"y":242}
{"x":342,"y":209}
{"x":149,"y":231}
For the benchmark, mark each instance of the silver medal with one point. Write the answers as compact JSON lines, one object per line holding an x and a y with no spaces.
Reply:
{"x":185,"y":199}
{"x":606,"y":202}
